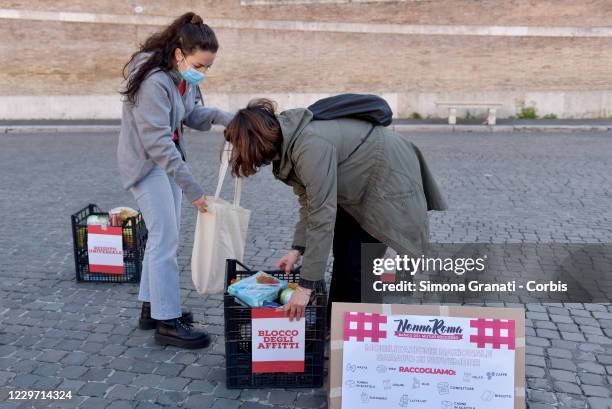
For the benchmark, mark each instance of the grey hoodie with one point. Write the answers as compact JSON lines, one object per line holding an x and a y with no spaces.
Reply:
{"x":385,"y":185}
{"x":145,"y":139}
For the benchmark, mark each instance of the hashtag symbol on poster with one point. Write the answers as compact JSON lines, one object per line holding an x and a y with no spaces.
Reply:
{"x":489,"y":331}
{"x":362,"y":325}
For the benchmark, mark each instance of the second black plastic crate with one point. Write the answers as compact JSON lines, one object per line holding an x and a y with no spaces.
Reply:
{"x":134,"y":234}
{"x":238,"y":339}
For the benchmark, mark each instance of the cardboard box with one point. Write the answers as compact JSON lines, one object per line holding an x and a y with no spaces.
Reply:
{"x":337,"y":342}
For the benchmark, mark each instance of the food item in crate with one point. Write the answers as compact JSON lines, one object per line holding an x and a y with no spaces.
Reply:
{"x":97,"y":220}
{"x":115,"y":219}
{"x":128,"y":238}
{"x":126,"y":223}
{"x":81,"y":235}
{"x":285,"y":295}
{"x":266,"y":279}
{"x":257,"y":288}
{"x":123,"y":213}
{"x":293,"y":285}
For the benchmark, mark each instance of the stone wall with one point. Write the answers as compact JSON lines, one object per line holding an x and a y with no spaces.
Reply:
{"x":569,"y":73}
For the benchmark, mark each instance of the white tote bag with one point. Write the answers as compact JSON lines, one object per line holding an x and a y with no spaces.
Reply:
{"x":220,"y":234}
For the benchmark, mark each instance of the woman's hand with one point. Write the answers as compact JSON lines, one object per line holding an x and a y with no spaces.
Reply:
{"x":288,"y":261}
{"x":201,"y":204}
{"x":297,"y":303}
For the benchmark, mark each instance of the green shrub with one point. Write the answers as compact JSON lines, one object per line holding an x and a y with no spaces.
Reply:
{"x":416,"y":115}
{"x":550,"y":116}
{"x":527,"y":113}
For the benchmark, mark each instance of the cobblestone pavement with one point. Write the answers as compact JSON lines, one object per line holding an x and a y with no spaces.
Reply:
{"x":57,"y":334}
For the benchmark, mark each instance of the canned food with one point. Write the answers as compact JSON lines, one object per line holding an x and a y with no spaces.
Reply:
{"x":285,"y":295}
{"x":81,"y":234}
{"x":115,"y":218}
{"x":128,"y":239}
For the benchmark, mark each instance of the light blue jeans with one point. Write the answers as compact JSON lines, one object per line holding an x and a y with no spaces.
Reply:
{"x":159,"y":200}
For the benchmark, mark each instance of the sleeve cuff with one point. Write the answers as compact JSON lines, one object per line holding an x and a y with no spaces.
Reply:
{"x":316,"y":286}
{"x":226,"y":117}
{"x":301,"y":249}
{"x":195,"y":192}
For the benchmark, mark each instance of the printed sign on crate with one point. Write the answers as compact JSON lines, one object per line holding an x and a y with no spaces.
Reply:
{"x":278,"y":344}
{"x":105,"y":249}
{"x":417,"y":356}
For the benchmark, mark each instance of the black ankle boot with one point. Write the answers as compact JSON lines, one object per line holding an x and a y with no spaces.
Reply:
{"x":146,"y":322}
{"x":180,"y":334}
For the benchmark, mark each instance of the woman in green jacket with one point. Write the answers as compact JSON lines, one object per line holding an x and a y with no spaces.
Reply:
{"x":378,"y":193}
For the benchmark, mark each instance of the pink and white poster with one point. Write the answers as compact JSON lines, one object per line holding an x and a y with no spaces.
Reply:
{"x":420,"y":361}
{"x":105,"y":249}
{"x":278,"y":343}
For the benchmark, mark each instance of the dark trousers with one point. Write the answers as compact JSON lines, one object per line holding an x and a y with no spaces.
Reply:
{"x":348,"y":261}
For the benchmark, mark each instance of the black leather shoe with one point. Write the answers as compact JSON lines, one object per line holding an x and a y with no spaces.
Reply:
{"x":180,"y":334}
{"x":146,"y":322}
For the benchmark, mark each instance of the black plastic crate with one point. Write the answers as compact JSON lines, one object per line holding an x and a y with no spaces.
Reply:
{"x":134,"y":242}
{"x":238,"y":340}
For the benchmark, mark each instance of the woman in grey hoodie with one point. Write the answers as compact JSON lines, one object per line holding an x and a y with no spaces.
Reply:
{"x":161,"y":95}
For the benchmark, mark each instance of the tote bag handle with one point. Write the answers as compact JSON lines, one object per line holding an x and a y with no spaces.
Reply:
{"x":225,"y":157}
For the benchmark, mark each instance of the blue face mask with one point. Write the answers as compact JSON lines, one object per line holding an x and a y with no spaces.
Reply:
{"x":192,"y":76}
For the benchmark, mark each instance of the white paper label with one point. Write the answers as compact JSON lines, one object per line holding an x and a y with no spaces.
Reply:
{"x":432,"y":362}
{"x":105,"y":249}
{"x":277,"y":343}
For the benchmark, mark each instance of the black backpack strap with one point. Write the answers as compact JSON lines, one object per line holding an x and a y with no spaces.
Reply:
{"x":358,"y":146}
{"x":369,"y":108}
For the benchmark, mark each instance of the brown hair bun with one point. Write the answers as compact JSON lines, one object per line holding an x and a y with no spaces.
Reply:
{"x":196,"y":19}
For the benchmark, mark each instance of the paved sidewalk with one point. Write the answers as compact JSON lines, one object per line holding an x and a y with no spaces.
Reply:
{"x":400,"y":125}
{"x":57,"y":334}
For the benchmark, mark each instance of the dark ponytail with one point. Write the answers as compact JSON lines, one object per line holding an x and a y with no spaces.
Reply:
{"x":188,"y":32}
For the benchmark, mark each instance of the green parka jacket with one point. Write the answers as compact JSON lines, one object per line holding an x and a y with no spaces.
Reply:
{"x":385,"y":185}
